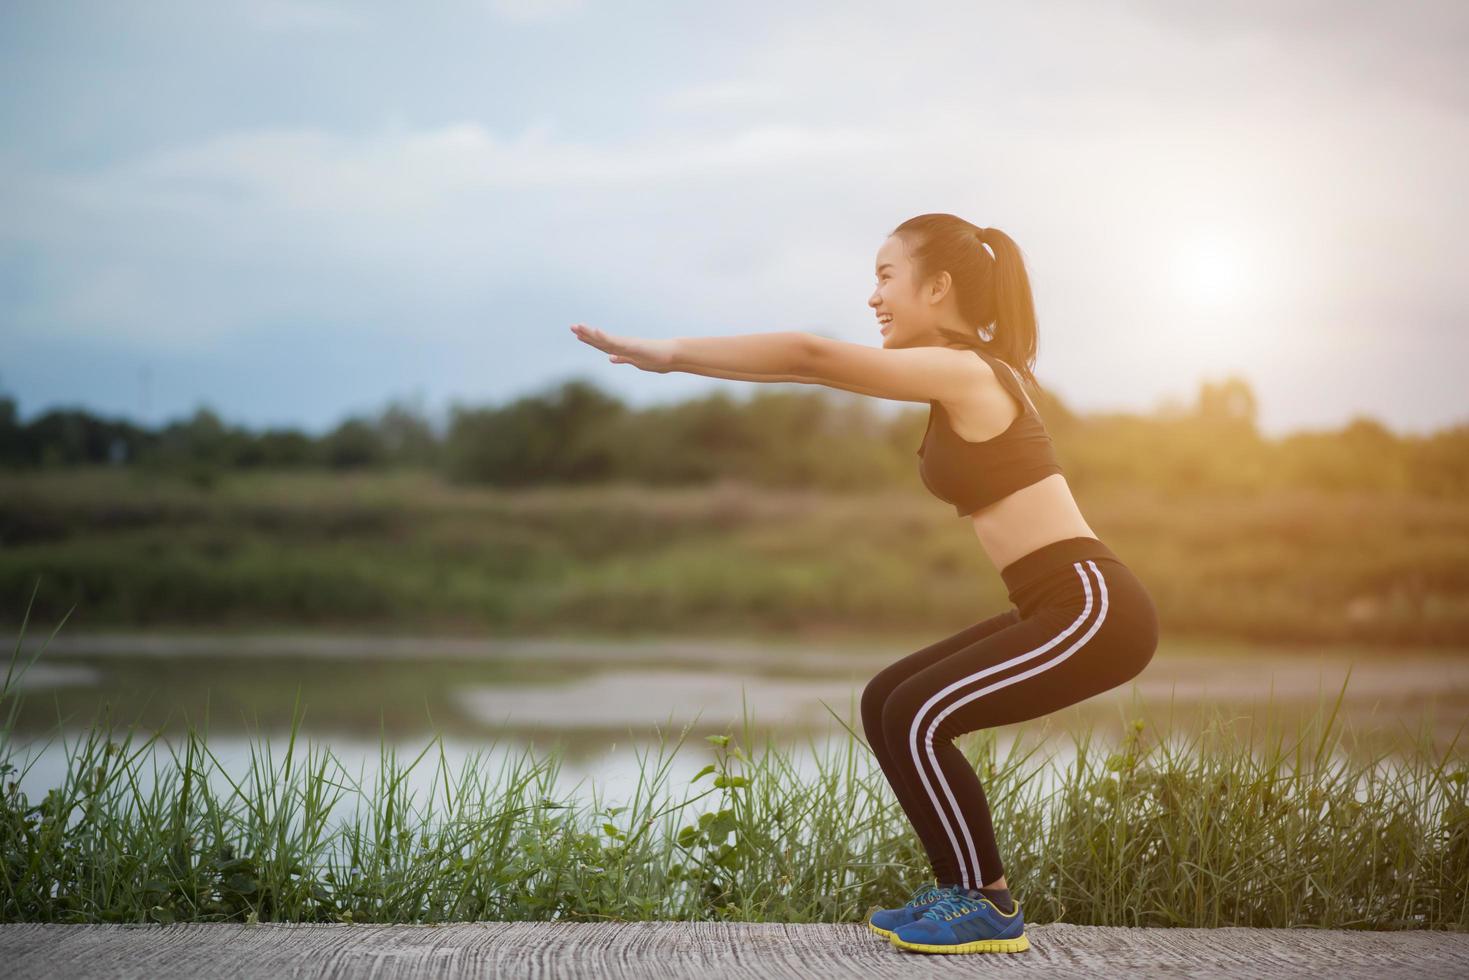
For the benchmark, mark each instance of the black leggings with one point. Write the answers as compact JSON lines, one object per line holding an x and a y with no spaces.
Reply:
{"x":1082,"y":624}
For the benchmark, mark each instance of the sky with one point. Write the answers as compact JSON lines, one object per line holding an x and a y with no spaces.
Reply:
{"x":292,"y":212}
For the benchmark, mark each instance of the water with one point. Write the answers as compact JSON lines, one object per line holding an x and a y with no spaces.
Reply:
{"x":614,"y":777}
{"x":599,"y":707}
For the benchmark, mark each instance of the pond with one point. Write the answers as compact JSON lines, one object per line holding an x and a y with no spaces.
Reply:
{"x":603,"y":707}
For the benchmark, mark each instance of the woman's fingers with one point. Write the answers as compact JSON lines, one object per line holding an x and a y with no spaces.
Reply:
{"x":589,"y":335}
{"x":618,"y":351}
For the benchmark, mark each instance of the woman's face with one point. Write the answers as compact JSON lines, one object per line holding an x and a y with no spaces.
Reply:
{"x":898,"y":295}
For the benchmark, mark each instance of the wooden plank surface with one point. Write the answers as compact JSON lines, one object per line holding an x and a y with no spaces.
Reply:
{"x":702,"y":949}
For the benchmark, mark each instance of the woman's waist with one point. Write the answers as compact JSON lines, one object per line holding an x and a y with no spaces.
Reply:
{"x":1082,"y":580}
{"x":1053,"y":563}
{"x":1029,"y":519}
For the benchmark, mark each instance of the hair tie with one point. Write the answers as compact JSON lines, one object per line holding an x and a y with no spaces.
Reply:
{"x":984,"y":246}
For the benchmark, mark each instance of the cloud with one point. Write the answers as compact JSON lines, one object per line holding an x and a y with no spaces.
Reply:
{"x":741,"y":180}
{"x":1415,"y":48}
{"x":407,"y":225}
{"x":730,"y":93}
{"x":312,"y":171}
{"x":428,"y":224}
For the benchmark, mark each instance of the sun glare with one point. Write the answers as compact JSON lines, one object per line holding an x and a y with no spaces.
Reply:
{"x":1210,"y":273}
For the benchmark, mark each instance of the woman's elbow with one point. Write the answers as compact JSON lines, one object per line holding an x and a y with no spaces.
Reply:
{"x":805,"y":356}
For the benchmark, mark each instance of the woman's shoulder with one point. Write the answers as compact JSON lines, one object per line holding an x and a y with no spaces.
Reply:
{"x":990,"y":406}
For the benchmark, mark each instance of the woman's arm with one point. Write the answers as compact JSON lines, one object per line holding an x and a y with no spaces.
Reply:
{"x":803,"y":349}
{"x":722,"y":357}
{"x":755,"y":357}
{"x":780,"y":354}
{"x":745,"y":375}
{"x":791,"y":378}
{"x":908,"y":374}
{"x":917,"y":374}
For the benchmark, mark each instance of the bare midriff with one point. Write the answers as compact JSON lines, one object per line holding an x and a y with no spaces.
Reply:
{"x":1029,"y":518}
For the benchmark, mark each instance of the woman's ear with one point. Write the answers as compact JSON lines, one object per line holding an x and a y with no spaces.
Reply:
{"x":938,"y":286}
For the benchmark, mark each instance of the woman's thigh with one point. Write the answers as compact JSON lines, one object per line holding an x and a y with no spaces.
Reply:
{"x":899,"y":671}
{"x":1055,"y":658}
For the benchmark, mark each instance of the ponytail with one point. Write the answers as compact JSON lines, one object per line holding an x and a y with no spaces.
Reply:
{"x":990,"y":284}
{"x":1015,"y":333}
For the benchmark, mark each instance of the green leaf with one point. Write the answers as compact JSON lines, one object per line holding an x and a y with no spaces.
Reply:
{"x":242,"y":884}
{"x":720,"y":824}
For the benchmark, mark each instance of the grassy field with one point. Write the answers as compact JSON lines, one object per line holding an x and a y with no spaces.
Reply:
{"x":409,"y":552}
{"x":1264,"y":826}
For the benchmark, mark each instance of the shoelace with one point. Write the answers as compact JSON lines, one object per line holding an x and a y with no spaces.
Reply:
{"x":926,"y":895}
{"x":955,"y":903}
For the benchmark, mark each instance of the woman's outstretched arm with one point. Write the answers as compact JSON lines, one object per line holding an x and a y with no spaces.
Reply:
{"x":689,"y":354}
{"x":781,"y":353}
{"x":746,"y":376}
{"x":803,"y":357}
{"x":791,"y":378}
{"x":917,"y":374}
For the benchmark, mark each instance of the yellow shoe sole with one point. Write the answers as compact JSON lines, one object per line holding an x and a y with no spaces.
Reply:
{"x":1017,"y":945}
{"x":884,"y":933}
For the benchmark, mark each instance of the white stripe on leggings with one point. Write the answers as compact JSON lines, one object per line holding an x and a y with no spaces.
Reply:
{"x":980,"y":675}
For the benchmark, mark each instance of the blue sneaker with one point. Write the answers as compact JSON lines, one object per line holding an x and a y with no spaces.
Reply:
{"x":963,"y":921}
{"x":884,"y":921}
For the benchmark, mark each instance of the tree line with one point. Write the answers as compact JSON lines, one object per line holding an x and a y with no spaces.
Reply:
{"x":781,"y":435}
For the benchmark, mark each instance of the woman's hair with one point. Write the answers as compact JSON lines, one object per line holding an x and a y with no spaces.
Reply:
{"x":993,"y":291}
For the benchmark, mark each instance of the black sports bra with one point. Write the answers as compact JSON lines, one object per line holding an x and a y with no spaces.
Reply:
{"x":971,"y":475}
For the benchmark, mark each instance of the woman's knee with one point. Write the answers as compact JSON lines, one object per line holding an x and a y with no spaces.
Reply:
{"x":874,"y":696}
{"x":901,"y":710}
{"x":912,"y":713}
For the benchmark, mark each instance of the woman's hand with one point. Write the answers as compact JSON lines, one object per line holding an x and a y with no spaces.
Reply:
{"x":648,"y":355}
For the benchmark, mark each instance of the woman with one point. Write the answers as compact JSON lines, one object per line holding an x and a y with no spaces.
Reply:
{"x":958,"y":332}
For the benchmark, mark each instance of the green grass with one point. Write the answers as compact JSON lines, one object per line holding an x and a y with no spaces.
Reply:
{"x":1261,"y":827}
{"x":408,"y":552}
